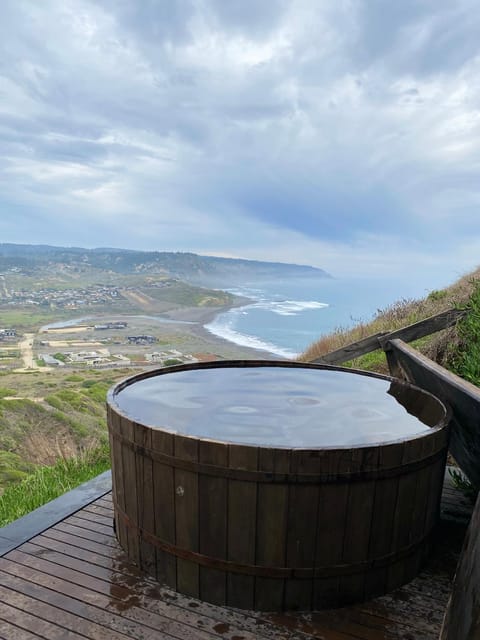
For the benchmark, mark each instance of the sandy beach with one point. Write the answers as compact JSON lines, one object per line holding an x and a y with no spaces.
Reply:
{"x":208,"y":342}
{"x":181,"y":329}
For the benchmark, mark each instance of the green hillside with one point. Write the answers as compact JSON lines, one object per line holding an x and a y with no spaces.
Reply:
{"x":43,"y":417}
{"x":186,"y":266}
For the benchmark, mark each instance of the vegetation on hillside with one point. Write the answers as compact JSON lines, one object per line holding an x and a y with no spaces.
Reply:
{"x":463,"y":354}
{"x":45,"y":418}
{"x":53,"y":436}
{"x":187,"y":266}
{"x":181,"y":293}
{"x":48,"y":482}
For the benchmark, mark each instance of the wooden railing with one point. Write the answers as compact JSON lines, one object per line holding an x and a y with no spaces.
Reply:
{"x":462,"y":619}
{"x":461,"y":396}
{"x":408,"y":363}
{"x":378,"y":340}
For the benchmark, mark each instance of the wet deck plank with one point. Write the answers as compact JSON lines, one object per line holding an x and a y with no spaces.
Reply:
{"x":73,"y":581}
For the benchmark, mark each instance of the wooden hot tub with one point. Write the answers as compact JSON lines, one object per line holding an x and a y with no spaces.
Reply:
{"x":275,"y":485}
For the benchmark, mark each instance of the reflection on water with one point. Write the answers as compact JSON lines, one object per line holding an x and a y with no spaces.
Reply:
{"x":276,"y":406}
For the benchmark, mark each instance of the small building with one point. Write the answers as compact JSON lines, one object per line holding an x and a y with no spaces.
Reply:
{"x":110,"y":325}
{"x":8,"y":333}
{"x":155,"y":357}
{"x":98,"y":362}
{"x":50,"y":361}
{"x":84,"y":356}
{"x":141,"y":339}
{"x":120,"y":356}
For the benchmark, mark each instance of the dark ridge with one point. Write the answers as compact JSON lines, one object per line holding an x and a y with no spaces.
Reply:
{"x":192,"y":267}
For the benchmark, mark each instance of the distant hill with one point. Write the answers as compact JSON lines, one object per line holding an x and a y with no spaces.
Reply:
{"x":206,"y":270}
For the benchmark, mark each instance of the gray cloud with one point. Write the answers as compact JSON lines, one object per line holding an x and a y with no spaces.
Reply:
{"x":201,"y":124}
{"x":421,"y":37}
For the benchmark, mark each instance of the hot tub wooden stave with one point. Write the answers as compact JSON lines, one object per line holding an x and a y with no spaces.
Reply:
{"x":275,"y":528}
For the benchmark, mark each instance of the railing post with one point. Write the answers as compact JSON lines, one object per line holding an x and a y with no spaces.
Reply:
{"x":393,"y":364}
{"x":462,"y":617}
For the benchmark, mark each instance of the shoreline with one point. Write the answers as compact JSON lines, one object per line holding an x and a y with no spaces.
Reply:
{"x":203,"y":316}
{"x":182,"y":328}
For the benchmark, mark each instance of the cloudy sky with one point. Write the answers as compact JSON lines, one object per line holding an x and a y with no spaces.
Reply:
{"x":339,"y":133}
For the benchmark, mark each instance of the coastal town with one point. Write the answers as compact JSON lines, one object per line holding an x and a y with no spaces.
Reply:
{"x":74,"y":316}
{"x":119,"y":327}
{"x":82,"y":345}
{"x":70,"y":298}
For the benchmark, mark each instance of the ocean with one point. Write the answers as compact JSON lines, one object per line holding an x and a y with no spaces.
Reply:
{"x":286,"y":316}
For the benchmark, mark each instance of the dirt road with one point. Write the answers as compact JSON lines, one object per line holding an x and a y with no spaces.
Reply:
{"x":26,"y":349}
{"x":3,"y":285}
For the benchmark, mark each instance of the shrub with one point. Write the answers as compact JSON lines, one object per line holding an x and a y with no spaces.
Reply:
{"x":465,"y":358}
{"x":97,"y":391}
{"x":4,"y":392}
{"x":73,"y":378}
{"x":436,"y":295}
{"x":13,"y":468}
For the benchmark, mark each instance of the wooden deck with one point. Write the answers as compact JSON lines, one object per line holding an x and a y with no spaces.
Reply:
{"x":73,"y":582}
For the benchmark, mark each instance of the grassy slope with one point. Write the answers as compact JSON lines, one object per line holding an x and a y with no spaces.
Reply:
{"x":47,"y":417}
{"x":48,"y":482}
{"x":53,"y":435}
{"x":176,"y":295}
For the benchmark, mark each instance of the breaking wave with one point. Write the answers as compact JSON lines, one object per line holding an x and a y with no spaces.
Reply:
{"x":223,"y":327}
{"x":289,"y":307}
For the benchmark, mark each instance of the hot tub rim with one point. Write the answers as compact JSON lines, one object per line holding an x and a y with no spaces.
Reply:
{"x":228,"y":364}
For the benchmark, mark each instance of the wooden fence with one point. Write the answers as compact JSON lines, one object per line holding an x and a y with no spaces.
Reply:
{"x":409,"y":364}
{"x":462,"y":619}
{"x":462,"y":397}
{"x":378,"y":340}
